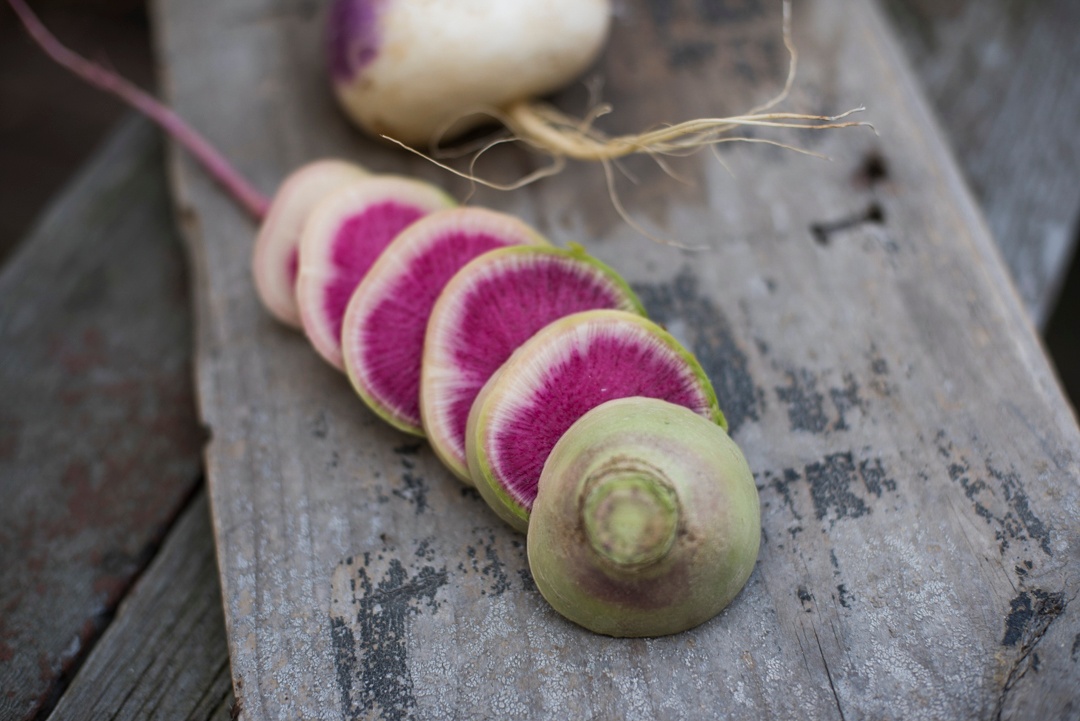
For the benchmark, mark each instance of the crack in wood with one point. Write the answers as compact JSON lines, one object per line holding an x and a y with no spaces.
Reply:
{"x":828,"y":675}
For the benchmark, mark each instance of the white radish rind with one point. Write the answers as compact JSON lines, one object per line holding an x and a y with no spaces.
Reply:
{"x":343,"y":238}
{"x":565,"y":370}
{"x":275,"y":260}
{"x":647,"y":521}
{"x":490,"y":307}
{"x":384,"y":326}
{"x":409,"y":69}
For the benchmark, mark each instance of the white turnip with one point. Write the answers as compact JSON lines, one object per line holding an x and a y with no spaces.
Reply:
{"x":412,"y":69}
{"x":419,"y":72}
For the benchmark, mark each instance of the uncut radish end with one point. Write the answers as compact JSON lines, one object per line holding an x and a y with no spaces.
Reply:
{"x":647,"y":521}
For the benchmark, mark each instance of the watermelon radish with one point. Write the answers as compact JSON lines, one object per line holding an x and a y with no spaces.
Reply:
{"x":383,"y":332}
{"x":647,"y":520}
{"x":565,"y":370}
{"x":492,"y":306}
{"x":342,"y":238}
{"x":275,"y":261}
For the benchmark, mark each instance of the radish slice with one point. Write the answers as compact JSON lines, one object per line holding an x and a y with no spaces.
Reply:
{"x":492,"y":306}
{"x":561,"y":373}
{"x":383,"y":333}
{"x":275,"y":261}
{"x":342,"y":239}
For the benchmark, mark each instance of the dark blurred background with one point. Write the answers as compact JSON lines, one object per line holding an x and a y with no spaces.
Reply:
{"x":51,"y":122}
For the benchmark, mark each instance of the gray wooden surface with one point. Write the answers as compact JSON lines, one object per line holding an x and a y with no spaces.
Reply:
{"x":99,"y":442}
{"x":917,"y":463}
{"x":1000,"y":74}
{"x":164,"y":655}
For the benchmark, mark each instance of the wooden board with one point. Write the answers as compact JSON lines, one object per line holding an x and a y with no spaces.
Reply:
{"x":916,"y":462}
{"x":164,"y":654}
{"x":1001,"y":74}
{"x":99,"y":442}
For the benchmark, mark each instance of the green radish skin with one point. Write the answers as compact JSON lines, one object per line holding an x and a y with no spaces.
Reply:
{"x":491,"y":306}
{"x":506,"y":412}
{"x":647,"y":521}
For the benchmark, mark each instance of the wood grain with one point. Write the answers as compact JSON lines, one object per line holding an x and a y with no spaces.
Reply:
{"x":1001,"y":75}
{"x":916,"y":461}
{"x":99,"y":442}
{"x":164,"y":655}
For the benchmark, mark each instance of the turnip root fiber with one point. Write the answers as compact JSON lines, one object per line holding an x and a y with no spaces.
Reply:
{"x":383,"y":331}
{"x":342,"y":239}
{"x":492,"y":306}
{"x":565,"y":370}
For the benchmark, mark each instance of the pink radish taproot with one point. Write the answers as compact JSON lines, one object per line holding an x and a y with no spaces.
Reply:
{"x":275,"y":260}
{"x":646,"y":521}
{"x":488,"y":309}
{"x":384,"y":326}
{"x":565,"y":370}
{"x":343,"y":238}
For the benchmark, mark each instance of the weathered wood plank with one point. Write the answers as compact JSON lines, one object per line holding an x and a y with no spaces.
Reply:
{"x":99,"y":443}
{"x":164,"y":655}
{"x":1001,"y":75}
{"x":917,"y":463}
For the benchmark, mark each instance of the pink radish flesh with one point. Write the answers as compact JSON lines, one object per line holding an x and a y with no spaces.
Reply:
{"x":357,"y":245}
{"x":570,"y":367}
{"x":292,"y":266}
{"x":383,"y":335}
{"x":342,"y":240}
{"x":491,"y":307}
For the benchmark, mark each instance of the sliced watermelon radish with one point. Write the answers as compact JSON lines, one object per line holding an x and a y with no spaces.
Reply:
{"x":565,"y":370}
{"x":383,"y":333}
{"x":342,"y":239}
{"x":492,"y":306}
{"x":274,"y":263}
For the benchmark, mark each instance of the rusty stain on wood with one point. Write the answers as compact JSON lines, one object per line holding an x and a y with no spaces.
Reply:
{"x":99,"y":443}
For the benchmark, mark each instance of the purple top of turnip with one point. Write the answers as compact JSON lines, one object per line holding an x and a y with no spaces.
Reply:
{"x":352,"y":36}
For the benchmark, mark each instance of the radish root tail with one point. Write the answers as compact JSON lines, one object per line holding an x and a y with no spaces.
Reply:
{"x":562,"y":137}
{"x":254,"y":202}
